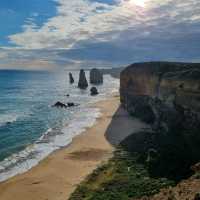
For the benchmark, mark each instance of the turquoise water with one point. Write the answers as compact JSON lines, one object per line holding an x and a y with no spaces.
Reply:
{"x":30,"y":128}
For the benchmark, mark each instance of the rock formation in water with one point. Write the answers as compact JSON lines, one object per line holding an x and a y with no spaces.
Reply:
{"x":71,"y":104}
{"x":71,"y":79}
{"x":94,"y":91}
{"x":96,"y":76}
{"x":60,"y":105}
{"x":82,"y":84}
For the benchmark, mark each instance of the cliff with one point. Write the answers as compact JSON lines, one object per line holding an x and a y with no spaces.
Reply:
{"x":167,"y":96}
{"x":114,"y":72}
{"x":174,"y":85}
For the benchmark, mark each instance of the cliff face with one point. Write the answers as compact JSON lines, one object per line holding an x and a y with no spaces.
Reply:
{"x":171,"y":88}
{"x":166,"y":95}
{"x":96,"y":76}
{"x":183,"y":87}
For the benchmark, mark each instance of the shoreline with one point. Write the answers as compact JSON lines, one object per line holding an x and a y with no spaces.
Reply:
{"x":23,"y":161}
{"x":56,"y":177}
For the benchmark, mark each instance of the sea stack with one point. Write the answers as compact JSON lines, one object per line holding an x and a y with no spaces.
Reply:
{"x":82,"y":84}
{"x":71,"y":79}
{"x":96,"y":76}
{"x":94,"y":91}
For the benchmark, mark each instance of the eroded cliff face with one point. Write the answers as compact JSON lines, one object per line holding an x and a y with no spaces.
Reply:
{"x":183,"y":87}
{"x":166,"y":95}
{"x":160,"y":88}
{"x":96,"y":76}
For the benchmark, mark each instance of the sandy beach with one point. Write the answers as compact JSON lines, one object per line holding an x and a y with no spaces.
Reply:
{"x":57,"y":176}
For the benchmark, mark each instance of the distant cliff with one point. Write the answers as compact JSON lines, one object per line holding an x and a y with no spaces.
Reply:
{"x":114,"y":72}
{"x":167,"y":96}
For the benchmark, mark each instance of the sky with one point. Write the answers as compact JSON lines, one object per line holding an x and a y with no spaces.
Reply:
{"x":52,"y":34}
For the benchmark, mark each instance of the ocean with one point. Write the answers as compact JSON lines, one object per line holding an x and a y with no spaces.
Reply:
{"x":30,"y":128}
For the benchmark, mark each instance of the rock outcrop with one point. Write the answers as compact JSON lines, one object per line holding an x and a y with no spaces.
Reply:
{"x":82,"y":84}
{"x":96,"y":76}
{"x":72,"y":104}
{"x":62,"y":105}
{"x":94,"y":91}
{"x":71,"y":79}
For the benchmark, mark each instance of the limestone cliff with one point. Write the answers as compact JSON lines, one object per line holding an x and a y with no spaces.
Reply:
{"x":175,"y":86}
{"x":82,"y":83}
{"x":166,"y":95}
{"x":96,"y":76}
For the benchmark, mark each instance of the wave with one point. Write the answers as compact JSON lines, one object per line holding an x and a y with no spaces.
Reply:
{"x":54,"y":138}
{"x":51,"y":140}
{"x":8,"y":118}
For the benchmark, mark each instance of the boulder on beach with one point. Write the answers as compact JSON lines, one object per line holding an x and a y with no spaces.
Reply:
{"x":82,"y":84}
{"x":71,"y":79}
{"x":94,"y":91}
{"x":96,"y":76}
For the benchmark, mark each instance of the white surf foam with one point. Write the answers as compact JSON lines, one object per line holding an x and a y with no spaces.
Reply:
{"x":8,"y":118}
{"x":52,"y":139}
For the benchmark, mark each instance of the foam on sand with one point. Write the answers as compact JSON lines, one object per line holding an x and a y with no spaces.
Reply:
{"x":51,"y":140}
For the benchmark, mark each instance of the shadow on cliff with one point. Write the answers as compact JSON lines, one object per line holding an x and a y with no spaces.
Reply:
{"x":168,"y":155}
{"x":122,"y":125}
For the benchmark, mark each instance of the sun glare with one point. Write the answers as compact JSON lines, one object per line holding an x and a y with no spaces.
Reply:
{"x":139,"y":2}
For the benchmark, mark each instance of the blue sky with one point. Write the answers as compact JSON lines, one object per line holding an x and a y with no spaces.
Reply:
{"x":15,"y":13}
{"x":48,"y":34}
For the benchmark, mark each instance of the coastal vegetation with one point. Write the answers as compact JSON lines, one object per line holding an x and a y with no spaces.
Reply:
{"x":123,"y":177}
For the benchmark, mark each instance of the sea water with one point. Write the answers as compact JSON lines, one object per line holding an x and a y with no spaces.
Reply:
{"x":30,"y":128}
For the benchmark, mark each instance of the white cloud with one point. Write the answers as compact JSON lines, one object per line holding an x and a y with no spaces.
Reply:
{"x":122,"y":24}
{"x":75,"y":21}
{"x":82,"y":19}
{"x":79,"y":20}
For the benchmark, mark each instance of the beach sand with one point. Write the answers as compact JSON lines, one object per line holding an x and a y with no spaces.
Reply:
{"x":56,"y":177}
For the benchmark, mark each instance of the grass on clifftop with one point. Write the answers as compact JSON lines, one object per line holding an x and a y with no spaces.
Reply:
{"x":122,"y":178}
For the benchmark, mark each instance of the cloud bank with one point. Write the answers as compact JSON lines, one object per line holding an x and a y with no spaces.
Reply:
{"x":114,"y":32}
